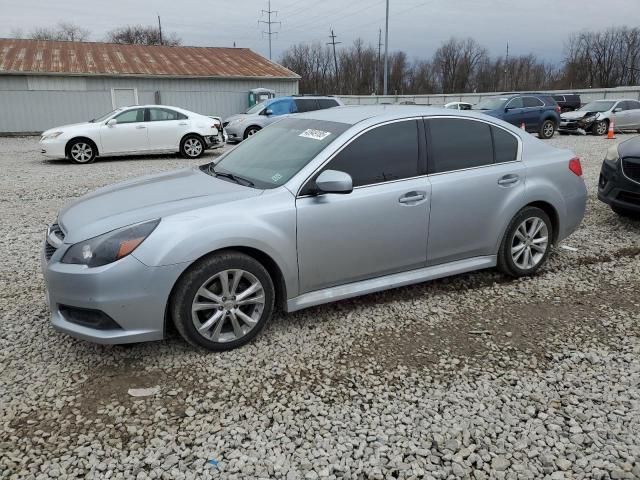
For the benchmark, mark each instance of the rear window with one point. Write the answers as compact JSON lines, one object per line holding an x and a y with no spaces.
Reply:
{"x":549,"y":100}
{"x":327,"y":103}
{"x":530,"y":102}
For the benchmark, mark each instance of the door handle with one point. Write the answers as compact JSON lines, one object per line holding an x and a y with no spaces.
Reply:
{"x":183,"y":123}
{"x":140,"y":127}
{"x":412,"y":197}
{"x":508,"y":180}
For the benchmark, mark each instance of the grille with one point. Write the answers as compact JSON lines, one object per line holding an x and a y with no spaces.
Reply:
{"x":49,"y":249}
{"x":631,"y":168}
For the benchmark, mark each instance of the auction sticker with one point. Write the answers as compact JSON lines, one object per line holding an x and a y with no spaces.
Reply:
{"x":315,"y":134}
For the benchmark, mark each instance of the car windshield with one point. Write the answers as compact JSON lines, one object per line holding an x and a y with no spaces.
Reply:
{"x":105,"y":116}
{"x":597,"y":106}
{"x":492,"y":103}
{"x":275,"y":154}
{"x":256,"y":108}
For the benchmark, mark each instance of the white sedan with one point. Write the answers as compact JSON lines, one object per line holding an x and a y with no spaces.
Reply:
{"x":140,"y":129}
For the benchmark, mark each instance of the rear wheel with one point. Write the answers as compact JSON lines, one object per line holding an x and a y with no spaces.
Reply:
{"x":526,"y":243}
{"x":251,"y":131}
{"x":547,"y":129}
{"x":192,"y":146}
{"x":600,"y":128}
{"x":82,"y":151}
{"x":223,"y":301}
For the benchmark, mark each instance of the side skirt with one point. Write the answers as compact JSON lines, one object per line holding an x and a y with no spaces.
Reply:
{"x":364,"y":287}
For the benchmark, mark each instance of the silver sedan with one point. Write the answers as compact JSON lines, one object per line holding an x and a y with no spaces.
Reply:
{"x":316,"y":208}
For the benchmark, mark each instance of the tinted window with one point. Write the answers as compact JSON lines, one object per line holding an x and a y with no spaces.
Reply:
{"x":633,"y":105}
{"x":131,"y":116}
{"x":449,"y":152}
{"x":515,"y":103}
{"x":306,"y":104}
{"x":281,"y":107}
{"x":327,"y":103}
{"x":465,"y":106}
{"x":532,"y":102}
{"x":559,"y":98}
{"x":388,"y":152}
{"x":505,"y":145}
{"x":164,"y":114}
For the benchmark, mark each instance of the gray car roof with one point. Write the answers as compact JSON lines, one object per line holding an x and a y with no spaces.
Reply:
{"x":358,"y":113}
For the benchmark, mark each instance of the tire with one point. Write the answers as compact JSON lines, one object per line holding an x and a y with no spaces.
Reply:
{"x":192,"y":146}
{"x":626,"y":212}
{"x":230,"y":325}
{"x":252,"y":130}
{"x":547,"y":129}
{"x":82,"y":151}
{"x":515,"y":263}
{"x":600,"y":128}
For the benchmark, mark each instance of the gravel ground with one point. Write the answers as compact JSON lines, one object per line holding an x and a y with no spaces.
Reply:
{"x":475,"y":376}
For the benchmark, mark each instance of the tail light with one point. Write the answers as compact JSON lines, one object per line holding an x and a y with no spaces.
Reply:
{"x":558,"y":109}
{"x":575,"y":166}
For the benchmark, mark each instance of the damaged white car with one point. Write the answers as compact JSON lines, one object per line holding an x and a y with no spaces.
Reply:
{"x":595,"y":117}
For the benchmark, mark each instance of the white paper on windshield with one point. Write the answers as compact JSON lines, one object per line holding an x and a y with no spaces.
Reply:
{"x":314,"y":134}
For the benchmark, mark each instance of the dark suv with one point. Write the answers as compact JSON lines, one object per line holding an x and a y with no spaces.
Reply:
{"x":539,"y":113}
{"x":619,"y":184}
{"x":568,"y":102}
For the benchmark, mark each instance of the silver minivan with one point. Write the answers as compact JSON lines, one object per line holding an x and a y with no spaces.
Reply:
{"x":243,"y":125}
{"x":318,"y":207}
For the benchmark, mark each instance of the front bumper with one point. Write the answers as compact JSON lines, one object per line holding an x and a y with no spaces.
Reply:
{"x":131,"y":294}
{"x":616,"y":189}
{"x":235,"y":132}
{"x":53,"y":148}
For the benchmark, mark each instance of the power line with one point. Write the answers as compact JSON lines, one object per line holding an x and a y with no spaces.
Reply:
{"x":269,"y":22}
{"x":335,"y":59}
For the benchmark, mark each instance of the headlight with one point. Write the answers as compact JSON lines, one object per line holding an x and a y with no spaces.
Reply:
{"x":51,"y":135}
{"x":612,"y":154}
{"x":109,"y":247}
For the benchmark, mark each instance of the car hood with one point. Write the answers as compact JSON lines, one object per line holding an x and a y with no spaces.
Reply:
{"x":72,"y":126}
{"x":576,"y":114}
{"x":237,"y":116}
{"x":146,"y":198}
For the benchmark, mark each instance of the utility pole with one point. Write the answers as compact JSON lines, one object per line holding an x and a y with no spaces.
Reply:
{"x":335,"y":59}
{"x":268,"y":22}
{"x":506,"y":70}
{"x":386,"y":50}
{"x":160,"y":29}
{"x":377,"y":79}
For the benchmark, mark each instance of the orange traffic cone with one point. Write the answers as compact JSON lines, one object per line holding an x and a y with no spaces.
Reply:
{"x":522,"y":126}
{"x":611,"y":134}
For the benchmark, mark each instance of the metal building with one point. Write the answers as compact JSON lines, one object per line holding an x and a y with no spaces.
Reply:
{"x":49,"y":83}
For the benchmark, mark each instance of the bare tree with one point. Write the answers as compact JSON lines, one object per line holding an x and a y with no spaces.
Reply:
{"x":456,"y":62}
{"x":67,"y":31}
{"x":142,"y":35}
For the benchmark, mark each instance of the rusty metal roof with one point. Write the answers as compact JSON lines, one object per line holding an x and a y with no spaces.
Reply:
{"x":20,"y":56}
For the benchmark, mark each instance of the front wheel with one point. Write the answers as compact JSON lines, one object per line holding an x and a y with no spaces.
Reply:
{"x":81,"y":151}
{"x":600,"y":128}
{"x":251,"y":131}
{"x":192,"y":146}
{"x":547,"y":129}
{"x":526,"y":243}
{"x":223,"y":301}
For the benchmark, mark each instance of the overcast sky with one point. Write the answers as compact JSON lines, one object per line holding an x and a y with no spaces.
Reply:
{"x":416,"y":26}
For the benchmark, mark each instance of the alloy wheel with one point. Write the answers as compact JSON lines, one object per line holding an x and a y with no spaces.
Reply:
{"x":228,"y":305}
{"x":252,"y":132}
{"x":193,"y":147}
{"x":81,"y":152}
{"x":548,"y":130}
{"x":601,"y":128}
{"x":530,"y":243}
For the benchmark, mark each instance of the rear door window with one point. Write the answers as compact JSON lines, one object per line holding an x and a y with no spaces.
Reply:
{"x":505,"y":145}
{"x":385,"y":153}
{"x":531,"y":102}
{"x":447,"y":153}
{"x":633,"y":105}
{"x":306,"y":104}
{"x":515,"y":103}
{"x":327,"y":103}
{"x":164,"y":115}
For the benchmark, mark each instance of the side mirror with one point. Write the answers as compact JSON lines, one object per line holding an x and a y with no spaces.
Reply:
{"x":112,"y":122}
{"x":333,"y":181}
{"x":268,"y":112}
{"x":617,"y":109}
